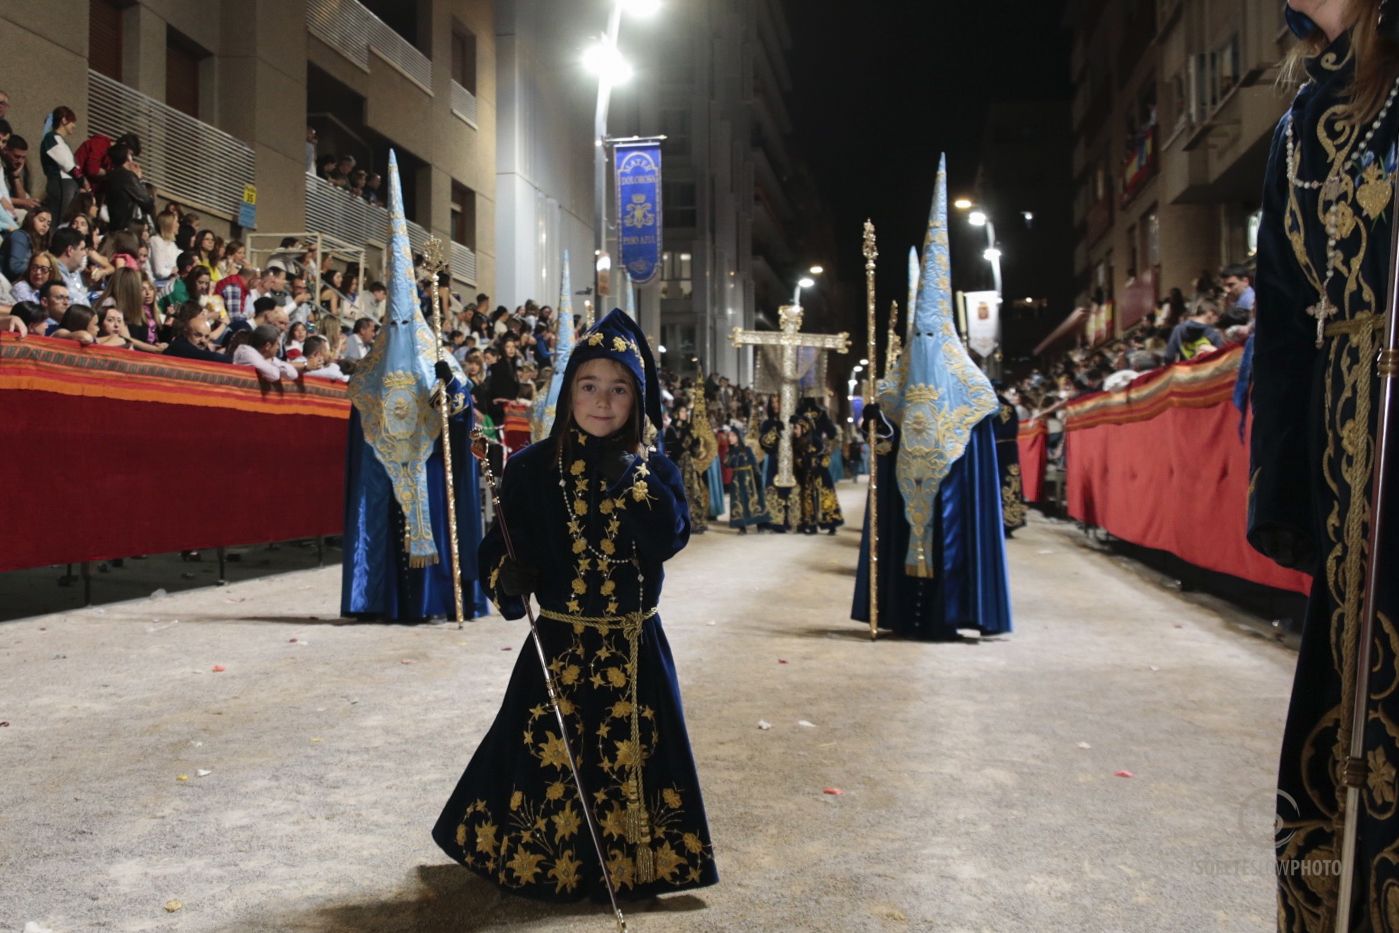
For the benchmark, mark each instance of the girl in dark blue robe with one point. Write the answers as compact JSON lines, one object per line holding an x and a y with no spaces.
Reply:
{"x":1008,"y":465}
{"x":1323,"y":277}
{"x":592,"y":521}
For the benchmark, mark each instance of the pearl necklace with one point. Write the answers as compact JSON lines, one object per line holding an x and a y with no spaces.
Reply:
{"x":607,"y":559}
{"x":1330,"y":189}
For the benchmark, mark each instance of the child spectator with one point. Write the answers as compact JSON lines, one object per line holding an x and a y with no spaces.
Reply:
{"x":78,"y":324}
{"x":319,"y":361}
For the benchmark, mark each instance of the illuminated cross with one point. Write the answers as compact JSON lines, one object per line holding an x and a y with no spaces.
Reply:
{"x":789,"y":338}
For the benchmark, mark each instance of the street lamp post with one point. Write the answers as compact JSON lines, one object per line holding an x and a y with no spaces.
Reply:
{"x":806,"y":281}
{"x":606,"y":59}
{"x":992,"y":254}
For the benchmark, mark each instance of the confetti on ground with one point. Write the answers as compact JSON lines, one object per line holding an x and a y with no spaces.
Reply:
{"x":219,"y":668}
{"x":801,"y":722}
{"x":781,"y":660}
{"x":292,"y":641}
{"x":832,"y":791}
{"x":1123,"y":774}
{"x":34,"y":927}
{"x":5,"y":724}
{"x":182,"y":778}
{"x":173,"y":905}
{"x":507,"y":647}
{"x":408,"y":660}
{"x":764,"y":725}
{"x":205,"y":772}
{"x":1084,"y":745}
{"x":1153,"y":667}
{"x":317,"y":739}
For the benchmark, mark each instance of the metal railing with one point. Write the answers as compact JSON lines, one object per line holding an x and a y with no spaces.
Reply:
{"x":350,"y":28}
{"x":335,"y":211}
{"x":463,"y":103}
{"x":186,"y":159}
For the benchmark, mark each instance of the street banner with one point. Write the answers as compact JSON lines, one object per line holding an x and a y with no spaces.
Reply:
{"x":983,"y":321}
{"x":639,"y":209}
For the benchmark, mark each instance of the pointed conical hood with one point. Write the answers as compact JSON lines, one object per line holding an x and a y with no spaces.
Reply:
{"x":912,"y":291}
{"x":943,"y":394}
{"x":547,"y":407}
{"x":392,"y":388}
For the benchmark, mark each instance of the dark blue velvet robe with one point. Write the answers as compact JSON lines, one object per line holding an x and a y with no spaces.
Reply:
{"x":1314,"y":421}
{"x":747,"y":501}
{"x":970,"y":590}
{"x":514,"y":817}
{"x":376,"y":581}
{"x":1008,"y":464}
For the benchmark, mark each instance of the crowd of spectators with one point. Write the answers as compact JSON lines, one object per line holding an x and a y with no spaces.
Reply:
{"x":342,"y":171}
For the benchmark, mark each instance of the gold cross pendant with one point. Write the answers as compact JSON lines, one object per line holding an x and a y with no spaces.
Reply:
{"x":1322,"y":310}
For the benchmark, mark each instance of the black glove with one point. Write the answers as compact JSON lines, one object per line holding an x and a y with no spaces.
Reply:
{"x":517,"y":579}
{"x":614,"y":463}
{"x":443,"y":371}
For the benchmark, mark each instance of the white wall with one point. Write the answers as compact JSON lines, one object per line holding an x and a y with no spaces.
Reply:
{"x":544,"y":151}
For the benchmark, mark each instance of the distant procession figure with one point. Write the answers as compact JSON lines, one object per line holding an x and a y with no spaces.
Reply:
{"x":592,"y":514}
{"x":942,"y":557}
{"x":1323,"y":280}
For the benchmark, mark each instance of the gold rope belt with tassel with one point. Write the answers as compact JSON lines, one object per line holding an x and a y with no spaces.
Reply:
{"x":638,"y":826}
{"x":1362,"y":323}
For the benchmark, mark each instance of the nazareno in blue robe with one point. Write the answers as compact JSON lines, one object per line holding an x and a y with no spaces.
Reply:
{"x":969,"y":590}
{"x":376,"y":581}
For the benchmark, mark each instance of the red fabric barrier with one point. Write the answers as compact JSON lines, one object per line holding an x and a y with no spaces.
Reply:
{"x":1160,"y":464}
{"x":1033,"y":441}
{"x":123,"y":453}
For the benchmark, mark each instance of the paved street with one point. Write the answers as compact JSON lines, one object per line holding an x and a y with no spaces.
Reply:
{"x":293,"y":790}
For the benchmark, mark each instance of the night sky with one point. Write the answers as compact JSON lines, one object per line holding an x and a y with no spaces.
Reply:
{"x":880,"y":88}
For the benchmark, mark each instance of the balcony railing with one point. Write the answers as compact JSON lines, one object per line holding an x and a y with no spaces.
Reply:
{"x":337,"y":212}
{"x":463,"y":103}
{"x":348,"y":27}
{"x":186,"y":159}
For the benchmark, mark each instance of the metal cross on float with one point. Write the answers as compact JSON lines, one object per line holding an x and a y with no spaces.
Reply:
{"x":789,"y":338}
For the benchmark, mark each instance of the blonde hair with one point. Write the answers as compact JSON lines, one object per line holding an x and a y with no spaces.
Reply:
{"x":1376,"y":62}
{"x":124,"y":288}
{"x":166,"y":223}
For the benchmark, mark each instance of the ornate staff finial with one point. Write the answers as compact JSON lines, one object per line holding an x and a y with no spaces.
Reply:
{"x":871,"y":254}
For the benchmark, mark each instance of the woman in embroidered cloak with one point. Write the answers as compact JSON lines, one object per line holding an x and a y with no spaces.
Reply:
{"x":593,"y":516}
{"x":1008,"y":463}
{"x":747,"y":504}
{"x":1323,"y":271}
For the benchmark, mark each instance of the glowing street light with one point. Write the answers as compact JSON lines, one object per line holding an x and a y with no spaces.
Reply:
{"x":962,"y":204}
{"x":992,"y":254}
{"x":977,"y":218}
{"x":817,"y":270}
{"x":643,"y":9}
{"x":603,"y":59}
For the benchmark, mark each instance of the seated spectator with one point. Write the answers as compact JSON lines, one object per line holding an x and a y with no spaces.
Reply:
{"x":378,"y":298}
{"x":54,"y":299}
{"x":235,"y":289}
{"x":16,"y":161}
{"x":124,"y":294}
{"x":177,"y":292}
{"x":1238,"y":294}
{"x":164,"y":252}
{"x":319,"y":362}
{"x":260,"y":352}
{"x":361,"y":339}
{"x":371,"y":188}
{"x":325,"y":166}
{"x":358,"y":178}
{"x":79,"y":323}
{"x":31,"y":314}
{"x":267,"y":311}
{"x":111,"y":328}
{"x":192,"y":341}
{"x":235,"y":257}
{"x":1197,"y":334}
{"x":41,"y":270}
{"x":206,"y":251}
{"x":20,"y":246}
{"x":293,"y":341}
{"x":69,"y":247}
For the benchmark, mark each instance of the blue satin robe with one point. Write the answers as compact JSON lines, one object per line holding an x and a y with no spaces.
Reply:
{"x":376,"y":581}
{"x":971,"y":589}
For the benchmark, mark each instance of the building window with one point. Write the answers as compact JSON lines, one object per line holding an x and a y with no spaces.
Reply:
{"x":104,"y":37}
{"x":182,"y":60}
{"x":464,"y":56}
{"x":675,"y":125}
{"x":463,"y":215}
{"x":678,"y":203}
{"x":676,"y":274}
